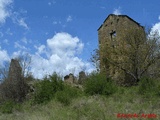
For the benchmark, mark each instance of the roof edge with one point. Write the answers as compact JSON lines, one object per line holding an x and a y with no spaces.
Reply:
{"x":119,"y":16}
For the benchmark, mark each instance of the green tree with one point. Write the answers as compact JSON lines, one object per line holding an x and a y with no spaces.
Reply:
{"x":25,"y":62}
{"x":95,"y":59}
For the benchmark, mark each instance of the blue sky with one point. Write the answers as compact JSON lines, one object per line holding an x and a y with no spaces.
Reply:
{"x":61,"y":34}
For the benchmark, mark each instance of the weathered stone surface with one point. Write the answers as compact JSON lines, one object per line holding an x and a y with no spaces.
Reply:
{"x":72,"y":80}
{"x":82,"y":77}
{"x":15,"y":71}
{"x":109,"y":36}
{"x":14,"y":88}
{"x":69,"y":79}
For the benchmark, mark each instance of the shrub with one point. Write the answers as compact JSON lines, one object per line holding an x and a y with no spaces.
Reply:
{"x":45,"y":89}
{"x":147,"y":86}
{"x":7,"y":107}
{"x":65,"y":96}
{"x":99,"y":84}
{"x":158,"y":90}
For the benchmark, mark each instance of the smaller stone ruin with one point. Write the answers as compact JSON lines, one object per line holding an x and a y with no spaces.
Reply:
{"x":71,"y":79}
{"x":82,"y":77}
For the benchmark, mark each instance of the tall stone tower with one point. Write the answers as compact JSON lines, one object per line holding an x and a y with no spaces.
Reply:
{"x":14,"y":87}
{"x":15,"y":71}
{"x":109,"y":36}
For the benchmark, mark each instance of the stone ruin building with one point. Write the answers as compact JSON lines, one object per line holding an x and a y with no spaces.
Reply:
{"x":82,"y":77}
{"x":15,"y":71}
{"x":71,"y":79}
{"x":14,"y":87}
{"x":109,"y":35}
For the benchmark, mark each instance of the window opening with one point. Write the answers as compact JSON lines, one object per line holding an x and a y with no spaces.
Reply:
{"x":113,"y":36}
{"x":117,"y":20}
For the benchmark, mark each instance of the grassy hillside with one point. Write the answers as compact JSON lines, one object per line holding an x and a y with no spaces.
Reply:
{"x":100,"y":99}
{"x":95,"y":107}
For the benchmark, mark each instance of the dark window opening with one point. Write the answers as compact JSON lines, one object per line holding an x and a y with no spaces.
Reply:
{"x":113,"y":38}
{"x":113,"y":34}
{"x":117,"y":20}
{"x":114,"y":71}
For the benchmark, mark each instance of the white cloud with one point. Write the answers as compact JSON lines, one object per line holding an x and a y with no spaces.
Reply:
{"x":117,"y":11}
{"x":19,"y":20}
{"x":102,"y":7}
{"x":61,"y":56}
{"x":22,"y":23}
{"x":24,"y":40}
{"x":23,"y":11}
{"x":19,"y":46}
{"x":8,"y":32}
{"x":69,"y":18}
{"x":6,"y":41}
{"x":64,"y":43}
{"x":156,"y":27}
{"x":1,"y":34}
{"x":41,"y":49}
{"x":55,"y":22}
{"x":4,"y":56}
{"x":51,"y":2}
{"x":4,"y":11}
{"x":16,"y":54}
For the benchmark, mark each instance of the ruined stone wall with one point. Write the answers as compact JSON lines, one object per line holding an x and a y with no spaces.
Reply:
{"x":14,"y":88}
{"x":82,"y":77}
{"x":69,"y":79}
{"x":15,"y":71}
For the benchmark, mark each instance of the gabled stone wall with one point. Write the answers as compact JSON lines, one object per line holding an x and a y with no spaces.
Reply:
{"x":109,"y":37}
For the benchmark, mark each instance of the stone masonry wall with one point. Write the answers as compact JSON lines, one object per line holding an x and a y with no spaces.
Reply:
{"x":109,"y":34}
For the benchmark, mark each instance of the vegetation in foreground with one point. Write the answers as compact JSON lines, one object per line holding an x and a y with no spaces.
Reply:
{"x":100,"y":99}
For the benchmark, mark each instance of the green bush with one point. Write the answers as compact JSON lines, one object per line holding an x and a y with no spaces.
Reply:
{"x":45,"y":89}
{"x":99,"y":84}
{"x":147,"y":86}
{"x":7,"y":107}
{"x":158,"y":90}
{"x":65,"y":96}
